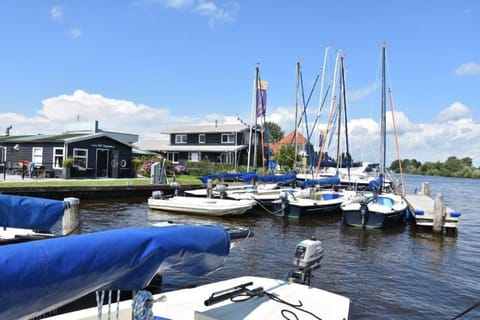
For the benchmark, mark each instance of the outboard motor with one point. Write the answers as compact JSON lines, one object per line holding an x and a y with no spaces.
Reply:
{"x":308,"y":255}
{"x":221,"y":190}
{"x":157,"y":195}
{"x":364,"y":211}
{"x":176,"y":186}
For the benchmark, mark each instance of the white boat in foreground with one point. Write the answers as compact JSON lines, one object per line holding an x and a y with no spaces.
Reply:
{"x":248,"y":297}
{"x":259,"y":298}
{"x":200,"y":206}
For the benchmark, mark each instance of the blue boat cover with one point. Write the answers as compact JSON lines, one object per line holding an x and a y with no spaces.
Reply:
{"x":29,"y":212}
{"x":245,"y":176}
{"x":42,"y":275}
{"x":249,"y":176}
{"x":335,"y":180}
{"x":278,"y":178}
{"x":376,"y":184}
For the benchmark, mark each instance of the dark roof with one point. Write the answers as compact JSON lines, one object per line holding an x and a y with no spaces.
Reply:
{"x":62,"y":138}
{"x":41,"y":138}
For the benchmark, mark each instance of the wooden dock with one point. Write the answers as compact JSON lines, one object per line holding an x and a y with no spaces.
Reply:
{"x":428,"y":212}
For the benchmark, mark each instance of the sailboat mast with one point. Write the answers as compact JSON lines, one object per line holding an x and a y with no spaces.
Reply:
{"x":340,"y":104}
{"x":297,"y":101}
{"x":383,"y":131}
{"x":253,"y":120}
{"x":255,"y":135}
{"x":320,"y":102}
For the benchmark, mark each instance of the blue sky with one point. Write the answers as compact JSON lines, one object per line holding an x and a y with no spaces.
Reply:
{"x":144,"y":66}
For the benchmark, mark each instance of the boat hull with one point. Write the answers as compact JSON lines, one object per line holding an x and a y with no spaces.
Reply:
{"x":201,"y":206}
{"x":300,"y":207}
{"x":386,"y":212}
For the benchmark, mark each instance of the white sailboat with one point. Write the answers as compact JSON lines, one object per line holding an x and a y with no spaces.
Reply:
{"x":381,"y":207}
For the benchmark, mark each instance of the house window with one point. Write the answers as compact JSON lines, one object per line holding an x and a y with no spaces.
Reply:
{"x":228,"y":138}
{"x":80,"y":157}
{"x":193,"y":156}
{"x":201,"y":138}
{"x":37,"y":155}
{"x":172,"y":156}
{"x":57,"y":158}
{"x":180,"y":138}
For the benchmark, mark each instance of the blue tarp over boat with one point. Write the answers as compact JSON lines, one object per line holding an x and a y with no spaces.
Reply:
{"x":29,"y":212}
{"x":278,"y":178}
{"x":42,"y":275}
{"x":335,"y":180}
{"x":251,"y":177}
{"x":226,"y":176}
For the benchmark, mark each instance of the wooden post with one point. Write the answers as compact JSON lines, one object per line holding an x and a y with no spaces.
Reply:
{"x":71,"y":217}
{"x":438,"y":213}
{"x":426,"y":188}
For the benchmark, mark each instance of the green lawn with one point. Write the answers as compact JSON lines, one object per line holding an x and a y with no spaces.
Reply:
{"x":182,"y":179}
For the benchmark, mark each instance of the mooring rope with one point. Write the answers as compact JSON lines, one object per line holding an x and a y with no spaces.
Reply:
{"x":142,"y":305}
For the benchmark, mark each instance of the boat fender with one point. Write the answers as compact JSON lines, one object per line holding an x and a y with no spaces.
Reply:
{"x":455,"y":214}
{"x":157,"y":194}
{"x":419,"y":212}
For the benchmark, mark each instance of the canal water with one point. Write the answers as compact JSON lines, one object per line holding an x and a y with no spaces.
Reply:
{"x":397,"y":273}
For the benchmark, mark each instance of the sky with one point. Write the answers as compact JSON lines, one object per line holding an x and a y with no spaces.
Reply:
{"x":145,"y":66}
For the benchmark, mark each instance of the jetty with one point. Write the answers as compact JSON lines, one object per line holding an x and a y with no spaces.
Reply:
{"x":429,"y":212}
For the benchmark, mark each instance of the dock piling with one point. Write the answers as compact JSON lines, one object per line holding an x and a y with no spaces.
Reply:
{"x":438,"y":213}
{"x":426,"y":188}
{"x":71,"y":217}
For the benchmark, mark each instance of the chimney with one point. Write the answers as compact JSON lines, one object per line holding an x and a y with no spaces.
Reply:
{"x":216,"y":123}
{"x":7,"y":131}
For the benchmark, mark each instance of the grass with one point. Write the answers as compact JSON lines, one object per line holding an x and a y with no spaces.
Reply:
{"x":182,"y":179}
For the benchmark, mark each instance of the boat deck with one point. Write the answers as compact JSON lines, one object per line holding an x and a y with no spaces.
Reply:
{"x":423,"y":209}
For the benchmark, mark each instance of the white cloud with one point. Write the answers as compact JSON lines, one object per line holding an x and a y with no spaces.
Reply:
{"x":459,"y":136}
{"x":113,"y":114}
{"x":471,"y":68}
{"x":207,"y":8}
{"x":362,"y":92}
{"x":455,"y":111}
{"x":75,"y":33}
{"x":56,"y":13}
{"x":215,"y":13}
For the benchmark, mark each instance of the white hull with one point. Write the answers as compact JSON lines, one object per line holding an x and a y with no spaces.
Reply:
{"x":188,"y":304}
{"x":201,"y":206}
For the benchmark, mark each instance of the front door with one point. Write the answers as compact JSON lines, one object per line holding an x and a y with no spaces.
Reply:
{"x":102,"y":163}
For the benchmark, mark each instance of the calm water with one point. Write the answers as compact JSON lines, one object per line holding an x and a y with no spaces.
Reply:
{"x":399,"y":273}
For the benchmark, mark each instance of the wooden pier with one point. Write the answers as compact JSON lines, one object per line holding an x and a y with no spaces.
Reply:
{"x":428,"y":212}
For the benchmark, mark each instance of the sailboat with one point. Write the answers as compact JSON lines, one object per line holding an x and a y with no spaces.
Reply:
{"x":380,"y":207}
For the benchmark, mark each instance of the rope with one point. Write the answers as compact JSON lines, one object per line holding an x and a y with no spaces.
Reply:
{"x":266,"y":209}
{"x":259,"y":293}
{"x":100,"y":297}
{"x":118,"y":304}
{"x":467,"y":311}
{"x":142,"y":305}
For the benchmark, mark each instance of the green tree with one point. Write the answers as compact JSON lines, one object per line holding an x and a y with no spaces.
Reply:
{"x":275,"y":133}
{"x":285,"y":157}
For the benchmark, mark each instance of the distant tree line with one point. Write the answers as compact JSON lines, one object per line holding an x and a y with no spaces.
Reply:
{"x":453,"y":167}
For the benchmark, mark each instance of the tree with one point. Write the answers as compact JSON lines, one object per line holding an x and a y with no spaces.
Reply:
{"x":275,"y":133}
{"x":285,"y":157}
